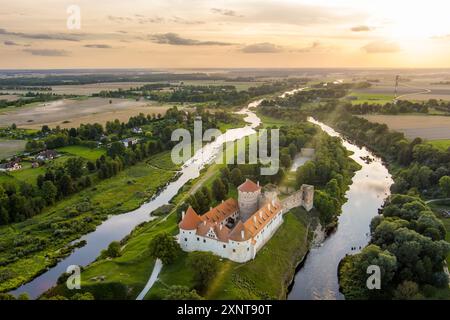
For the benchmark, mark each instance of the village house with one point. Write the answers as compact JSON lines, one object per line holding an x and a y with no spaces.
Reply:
{"x":128,"y":142}
{"x":47,"y":155}
{"x":11,"y":166}
{"x":137,"y":130}
{"x":238,"y":229}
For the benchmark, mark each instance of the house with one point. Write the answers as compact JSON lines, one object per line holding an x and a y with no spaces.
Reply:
{"x":47,"y":155}
{"x":128,"y":142}
{"x":10,"y":166}
{"x":238,"y":229}
{"x":137,"y":130}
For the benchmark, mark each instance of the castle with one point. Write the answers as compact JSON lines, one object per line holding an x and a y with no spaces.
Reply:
{"x":237,"y":230}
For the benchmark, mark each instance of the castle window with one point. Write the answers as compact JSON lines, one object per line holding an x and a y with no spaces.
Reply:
{"x":234,"y":250}
{"x":248,"y":249}
{"x":204,"y":240}
{"x":198,"y":239}
{"x":224,"y":246}
{"x":185,"y":239}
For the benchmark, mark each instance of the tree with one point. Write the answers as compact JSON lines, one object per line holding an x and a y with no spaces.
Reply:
{"x":181,"y":293}
{"x":66,"y":185}
{"x":74,"y":167}
{"x":49,"y":192}
{"x":353,"y":272}
{"x":407,"y":290}
{"x":333,"y":189}
{"x":82,"y":296}
{"x":113,"y":250}
{"x":164,"y":247}
{"x":116,"y":149}
{"x":91,"y":166}
{"x":205,"y":266}
{"x":326,"y":205}
{"x":23,"y":296}
{"x":219,"y":190}
{"x":444,"y":184}
{"x":306,"y":174}
{"x":236,"y":176}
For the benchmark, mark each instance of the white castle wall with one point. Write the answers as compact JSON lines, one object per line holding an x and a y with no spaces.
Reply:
{"x":238,"y":251}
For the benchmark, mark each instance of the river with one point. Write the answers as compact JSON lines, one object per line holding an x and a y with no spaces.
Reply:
{"x":317,"y":278}
{"x":116,"y":227}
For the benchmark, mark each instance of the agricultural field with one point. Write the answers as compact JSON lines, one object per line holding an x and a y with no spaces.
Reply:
{"x":85,"y":89}
{"x":371,"y":98}
{"x":441,"y":144}
{"x":240,"y":85}
{"x":417,"y":90}
{"x":68,"y":113}
{"x":83,"y":152}
{"x":423,"y":126}
{"x":9,"y":97}
{"x":9,"y":148}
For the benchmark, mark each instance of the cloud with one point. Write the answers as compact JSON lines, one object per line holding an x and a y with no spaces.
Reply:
{"x":361,"y":28}
{"x":47,"y":52}
{"x":39,"y":36}
{"x":98,"y":46}
{"x":141,"y":19}
{"x":185,"y":21}
{"x":226,"y":12}
{"x":381,"y":46}
{"x":175,"y":40}
{"x":11,"y":43}
{"x":310,"y":48}
{"x":263,"y":47}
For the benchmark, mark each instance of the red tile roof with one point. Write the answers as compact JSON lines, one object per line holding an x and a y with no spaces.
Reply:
{"x":190,"y":221}
{"x":249,"y":186}
{"x":221,"y":211}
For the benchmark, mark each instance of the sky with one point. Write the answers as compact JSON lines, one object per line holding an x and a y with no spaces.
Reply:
{"x":224,"y":34}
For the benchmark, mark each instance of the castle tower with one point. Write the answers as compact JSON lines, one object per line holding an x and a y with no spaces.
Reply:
{"x":307,"y":196}
{"x":248,"y":195}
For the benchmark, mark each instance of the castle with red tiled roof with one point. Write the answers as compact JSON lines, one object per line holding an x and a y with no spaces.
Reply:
{"x":238,"y":229}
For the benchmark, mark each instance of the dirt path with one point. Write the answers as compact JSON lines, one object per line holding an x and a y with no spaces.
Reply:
{"x":156,"y":270}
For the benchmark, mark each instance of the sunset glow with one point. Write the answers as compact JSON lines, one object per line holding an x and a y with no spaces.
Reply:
{"x":173,"y":34}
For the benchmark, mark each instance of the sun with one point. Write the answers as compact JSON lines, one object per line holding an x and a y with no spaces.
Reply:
{"x":413,"y":20}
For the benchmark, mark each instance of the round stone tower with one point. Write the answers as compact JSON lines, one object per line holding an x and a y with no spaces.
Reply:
{"x":248,"y":195}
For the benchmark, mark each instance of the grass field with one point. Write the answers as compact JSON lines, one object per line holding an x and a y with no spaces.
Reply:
{"x":423,"y":126}
{"x":9,"y":148}
{"x":270,"y":121}
{"x":84,"y":152}
{"x":77,"y":111}
{"x":122,"y":193}
{"x":441,"y":144}
{"x":370,"y":98}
